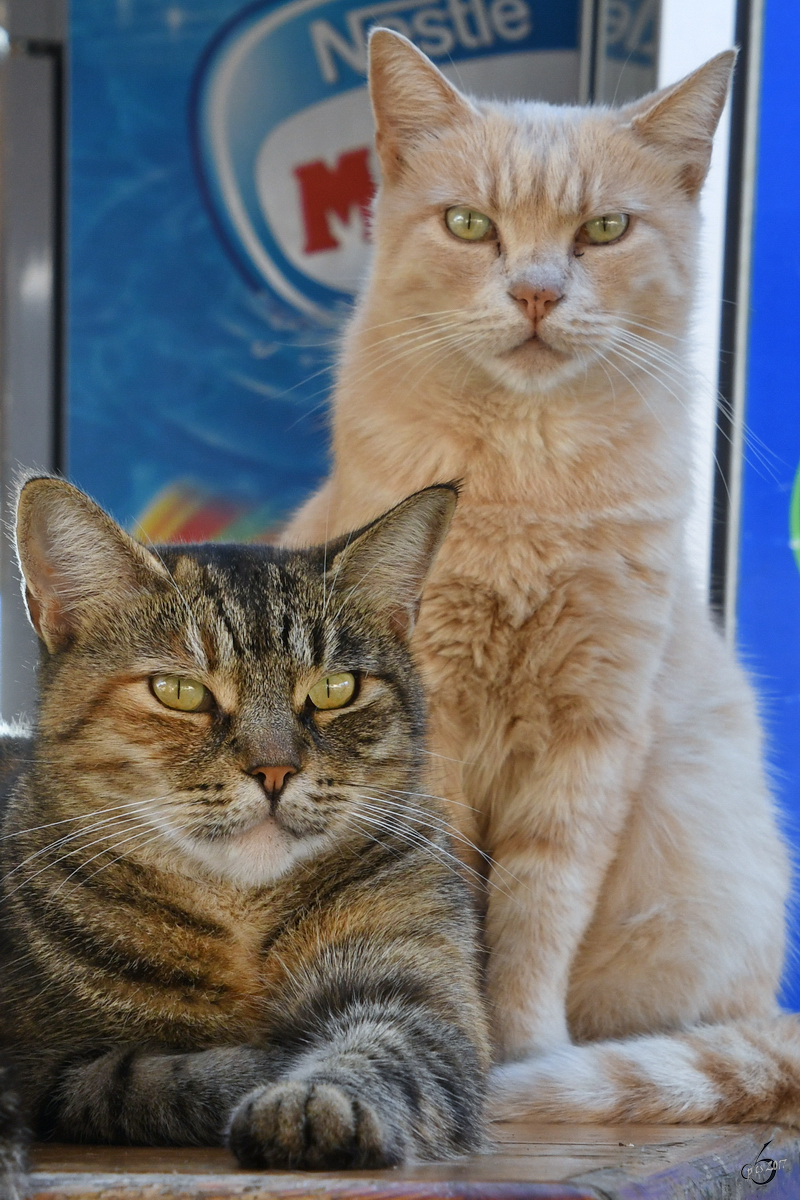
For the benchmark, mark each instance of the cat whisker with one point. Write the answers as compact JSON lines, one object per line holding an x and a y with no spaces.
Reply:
{"x":154,"y":836}
{"x":409,"y":336}
{"x":97,"y":812}
{"x":610,"y":379}
{"x":428,"y":361}
{"x":433,"y":342}
{"x":106,"y":824}
{"x":636,"y":321}
{"x":424,"y":795}
{"x":656,"y":353}
{"x":427,"y":340}
{"x":480,"y":881}
{"x":453,"y":832}
{"x":66,"y":839}
{"x":638,"y":361}
{"x":464,"y":762}
{"x":309,"y":412}
{"x":415,"y":837}
{"x":755,"y":445}
{"x":442,"y":827}
{"x":418,"y":316}
{"x":324,"y":392}
{"x":654,"y":370}
{"x":616,"y":367}
{"x":442,"y":323}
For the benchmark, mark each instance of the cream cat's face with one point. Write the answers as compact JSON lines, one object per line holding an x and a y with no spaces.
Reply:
{"x":548,"y":288}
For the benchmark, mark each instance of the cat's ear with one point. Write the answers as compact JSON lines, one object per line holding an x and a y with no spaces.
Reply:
{"x":75,"y":561}
{"x":411,"y":98}
{"x":386,"y":564}
{"x":681,"y":120}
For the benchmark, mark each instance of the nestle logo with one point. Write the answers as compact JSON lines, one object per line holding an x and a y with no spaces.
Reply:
{"x":437,"y":30}
{"x":327,"y":193}
{"x":283,"y":131}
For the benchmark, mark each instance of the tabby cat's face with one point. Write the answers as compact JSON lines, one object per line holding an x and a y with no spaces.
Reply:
{"x":259,"y":639}
{"x":537,"y":241}
{"x":242,"y":707}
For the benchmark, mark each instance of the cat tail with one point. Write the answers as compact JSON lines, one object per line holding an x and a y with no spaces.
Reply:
{"x":13,"y":1140}
{"x":747,"y":1070}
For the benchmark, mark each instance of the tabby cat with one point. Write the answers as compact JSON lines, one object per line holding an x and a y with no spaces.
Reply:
{"x":229,"y":910}
{"x":524,"y":328}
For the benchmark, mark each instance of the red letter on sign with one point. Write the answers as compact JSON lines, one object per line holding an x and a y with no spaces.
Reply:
{"x":324,"y":191}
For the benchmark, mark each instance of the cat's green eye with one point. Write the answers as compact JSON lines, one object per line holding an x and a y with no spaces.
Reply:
{"x":468,"y":224}
{"x":333,"y":691}
{"x":602,"y":230}
{"x":176,"y":691}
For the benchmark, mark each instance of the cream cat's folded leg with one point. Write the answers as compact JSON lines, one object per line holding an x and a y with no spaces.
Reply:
{"x":745,"y":1071}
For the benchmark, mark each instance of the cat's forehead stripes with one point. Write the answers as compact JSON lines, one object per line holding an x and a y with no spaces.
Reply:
{"x":225,"y":594}
{"x":531,"y":160}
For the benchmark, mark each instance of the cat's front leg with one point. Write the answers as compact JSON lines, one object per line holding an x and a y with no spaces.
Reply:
{"x":389,"y":1084}
{"x":139,"y":1096}
{"x":549,"y":862}
{"x":313,"y":1123}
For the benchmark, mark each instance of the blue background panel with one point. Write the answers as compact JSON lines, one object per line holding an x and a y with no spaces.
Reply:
{"x":769,"y":590}
{"x":177,"y":370}
{"x":196,"y":395}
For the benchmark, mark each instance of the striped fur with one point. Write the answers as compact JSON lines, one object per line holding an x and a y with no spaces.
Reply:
{"x":593,"y":733}
{"x":187,"y":958}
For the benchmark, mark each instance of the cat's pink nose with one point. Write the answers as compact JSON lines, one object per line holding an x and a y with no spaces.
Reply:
{"x":535,"y":301}
{"x":273,"y":778}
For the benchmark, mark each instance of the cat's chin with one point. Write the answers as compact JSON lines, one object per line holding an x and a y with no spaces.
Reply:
{"x":259,"y":855}
{"x":534,"y":367}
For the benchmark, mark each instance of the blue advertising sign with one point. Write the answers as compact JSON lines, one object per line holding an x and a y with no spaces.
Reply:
{"x":221,"y":175}
{"x":769,"y":585}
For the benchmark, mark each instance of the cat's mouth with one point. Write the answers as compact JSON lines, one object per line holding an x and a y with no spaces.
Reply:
{"x":257,"y":851}
{"x":277,"y":825}
{"x":259,"y":829}
{"x":536,"y":345}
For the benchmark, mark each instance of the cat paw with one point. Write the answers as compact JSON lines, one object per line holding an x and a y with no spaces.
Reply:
{"x":311,"y":1124}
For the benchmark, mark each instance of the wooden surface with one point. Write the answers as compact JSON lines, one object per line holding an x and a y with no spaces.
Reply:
{"x":529,"y":1162}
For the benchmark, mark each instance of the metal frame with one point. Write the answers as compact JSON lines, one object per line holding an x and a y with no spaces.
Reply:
{"x":735,"y":322}
{"x":588,"y":50}
{"x":603,"y":82}
{"x":32,"y":136}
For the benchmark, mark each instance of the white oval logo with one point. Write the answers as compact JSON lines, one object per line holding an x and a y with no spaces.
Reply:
{"x":283,"y":128}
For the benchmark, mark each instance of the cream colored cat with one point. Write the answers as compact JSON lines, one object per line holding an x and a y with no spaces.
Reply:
{"x":523,"y":329}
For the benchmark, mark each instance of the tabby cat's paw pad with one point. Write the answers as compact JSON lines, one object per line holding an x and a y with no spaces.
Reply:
{"x":308,"y":1124}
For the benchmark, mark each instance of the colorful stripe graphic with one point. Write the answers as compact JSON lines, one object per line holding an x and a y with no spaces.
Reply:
{"x":185,"y":512}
